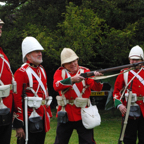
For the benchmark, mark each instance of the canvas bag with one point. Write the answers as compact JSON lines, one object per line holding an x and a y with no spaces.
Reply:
{"x":90,"y":117}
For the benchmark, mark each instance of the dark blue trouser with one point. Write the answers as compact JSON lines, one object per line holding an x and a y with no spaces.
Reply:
{"x":134,"y":130}
{"x":64,"y":132}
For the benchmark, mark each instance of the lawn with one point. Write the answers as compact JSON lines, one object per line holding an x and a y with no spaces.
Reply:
{"x":107,"y":133}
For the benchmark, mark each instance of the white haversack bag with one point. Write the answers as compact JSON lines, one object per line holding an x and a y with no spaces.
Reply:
{"x":90,"y":117}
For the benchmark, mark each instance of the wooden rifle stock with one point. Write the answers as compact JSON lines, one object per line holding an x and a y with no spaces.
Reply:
{"x":91,"y":73}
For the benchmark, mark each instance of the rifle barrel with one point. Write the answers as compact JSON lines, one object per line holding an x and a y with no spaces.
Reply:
{"x":91,"y":73}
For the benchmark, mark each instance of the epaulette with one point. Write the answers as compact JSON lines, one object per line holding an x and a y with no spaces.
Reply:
{"x":124,"y":69}
{"x":24,"y":67}
{"x":41,"y":66}
{"x":81,"y":67}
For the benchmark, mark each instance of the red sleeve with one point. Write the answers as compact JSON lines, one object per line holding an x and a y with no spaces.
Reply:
{"x":20,"y":78}
{"x":58,"y":83}
{"x":118,"y":87}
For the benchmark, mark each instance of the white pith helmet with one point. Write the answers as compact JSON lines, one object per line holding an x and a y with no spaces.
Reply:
{"x":136,"y":53}
{"x":1,"y":22}
{"x":68,"y":55}
{"x":30,"y":44}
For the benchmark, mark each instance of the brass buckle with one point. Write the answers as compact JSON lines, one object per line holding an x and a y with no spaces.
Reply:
{"x":139,"y":98}
{"x":43,"y":102}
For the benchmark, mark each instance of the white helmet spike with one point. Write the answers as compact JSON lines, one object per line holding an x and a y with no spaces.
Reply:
{"x":30,"y":44}
{"x":68,"y":55}
{"x":136,"y":53}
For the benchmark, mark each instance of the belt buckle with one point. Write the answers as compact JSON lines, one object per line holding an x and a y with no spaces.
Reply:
{"x":139,"y":98}
{"x":11,"y":87}
{"x":43,"y":102}
{"x":71,"y":102}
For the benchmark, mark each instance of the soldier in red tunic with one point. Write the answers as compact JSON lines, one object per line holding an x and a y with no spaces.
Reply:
{"x":6,"y":96}
{"x":34,"y":76}
{"x":135,"y":124}
{"x":67,"y":77}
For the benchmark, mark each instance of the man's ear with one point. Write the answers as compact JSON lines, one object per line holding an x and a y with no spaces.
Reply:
{"x":28,"y":56}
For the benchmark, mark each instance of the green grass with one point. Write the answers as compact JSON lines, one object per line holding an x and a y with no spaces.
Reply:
{"x":107,"y":133}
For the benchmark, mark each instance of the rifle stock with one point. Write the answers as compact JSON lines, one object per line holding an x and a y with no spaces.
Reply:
{"x":91,"y":73}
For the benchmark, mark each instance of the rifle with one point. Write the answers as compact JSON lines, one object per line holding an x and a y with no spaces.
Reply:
{"x":126,"y":116}
{"x":91,"y":73}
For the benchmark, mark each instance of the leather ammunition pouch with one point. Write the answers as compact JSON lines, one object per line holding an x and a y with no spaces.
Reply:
{"x":35,"y":124}
{"x":62,"y":117}
{"x":135,"y":111}
{"x":5,"y":116}
{"x":5,"y":90}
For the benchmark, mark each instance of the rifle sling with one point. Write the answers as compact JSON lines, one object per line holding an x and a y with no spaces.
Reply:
{"x":108,"y":76}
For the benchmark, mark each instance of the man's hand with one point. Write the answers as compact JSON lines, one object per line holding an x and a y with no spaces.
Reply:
{"x":122,"y":109}
{"x":97,"y":73}
{"x":77,"y":78}
{"x":20,"y":133}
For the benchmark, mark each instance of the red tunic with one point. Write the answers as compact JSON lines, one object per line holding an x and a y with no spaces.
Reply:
{"x":21,"y":78}
{"x":74,"y":113}
{"x":6,"y":78}
{"x":137,"y":87}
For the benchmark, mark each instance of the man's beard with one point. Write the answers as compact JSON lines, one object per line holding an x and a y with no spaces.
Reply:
{"x":36,"y":60}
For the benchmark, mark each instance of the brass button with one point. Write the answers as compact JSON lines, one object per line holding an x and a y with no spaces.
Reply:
{"x":140,"y":95}
{"x":140,"y":103}
{"x":71,"y":97}
{"x":71,"y":88}
{"x":139,"y":86}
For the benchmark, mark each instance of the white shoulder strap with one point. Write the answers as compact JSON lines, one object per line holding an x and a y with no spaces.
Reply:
{"x":13,"y":80}
{"x":43,"y":72}
{"x":138,"y":76}
{"x":6,"y":62}
{"x":83,"y":82}
{"x":126,"y":77}
{"x":30,"y":72}
{"x":63,"y":73}
{"x":74,"y":85}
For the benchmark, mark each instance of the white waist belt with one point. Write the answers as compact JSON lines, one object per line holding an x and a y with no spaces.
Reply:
{"x":79,"y":102}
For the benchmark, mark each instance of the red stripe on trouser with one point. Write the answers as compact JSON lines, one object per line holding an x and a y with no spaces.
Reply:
{"x":46,"y":120}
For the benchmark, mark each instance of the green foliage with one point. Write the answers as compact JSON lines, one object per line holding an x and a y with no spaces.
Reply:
{"x":101,"y":32}
{"x":80,"y":31}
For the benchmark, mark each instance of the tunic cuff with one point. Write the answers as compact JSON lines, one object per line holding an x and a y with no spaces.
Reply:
{"x":117,"y":102}
{"x":66,"y":81}
{"x":17,"y":123}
